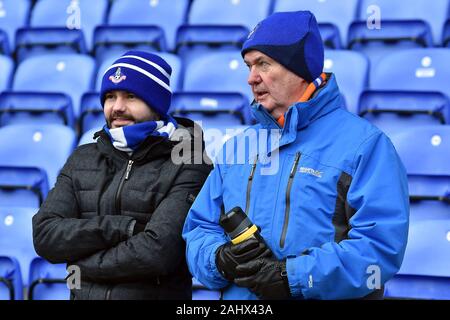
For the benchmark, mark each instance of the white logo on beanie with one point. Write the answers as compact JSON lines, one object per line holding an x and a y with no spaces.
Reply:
{"x":118,"y":76}
{"x":250,"y":35}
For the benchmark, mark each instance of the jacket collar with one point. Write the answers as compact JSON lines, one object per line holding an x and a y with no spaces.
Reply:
{"x":302,"y":114}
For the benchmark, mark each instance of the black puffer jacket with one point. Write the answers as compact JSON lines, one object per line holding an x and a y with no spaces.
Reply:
{"x":102,"y":194}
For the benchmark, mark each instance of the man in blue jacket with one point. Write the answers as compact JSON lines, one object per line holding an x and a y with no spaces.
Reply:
{"x":325,"y":187}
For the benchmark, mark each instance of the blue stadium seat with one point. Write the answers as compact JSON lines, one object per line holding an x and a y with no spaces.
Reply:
{"x":13,"y":15}
{"x":217,"y":72}
{"x":229,"y":12}
{"x":47,"y":281}
{"x":71,"y":74}
{"x":16,"y":236}
{"x":88,"y":136}
{"x":91,"y":113}
{"x":213,"y":109}
{"x":68,"y":14}
{"x":44,"y":40}
{"x":433,"y":13}
{"x":167,"y":14}
{"x":11,"y":285}
{"x":392,"y":37}
{"x":430,"y":144}
{"x":351,"y":81}
{"x":113,"y":41}
{"x":446,"y":35}
{"x":22,"y":186}
{"x":7,"y":67}
{"x":199,"y":39}
{"x":33,"y":107}
{"x":200,"y":292}
{"x":337,"y":12}
{"x":42,"y":146}
{"x":397,"y":111}
{"x":330,"y":36}
{"x":424,"y":273}
{"x":425,"y":152}
{"x":415,"y":70}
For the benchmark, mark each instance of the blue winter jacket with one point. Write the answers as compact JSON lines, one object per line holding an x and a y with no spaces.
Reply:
{"x":331,"y":198}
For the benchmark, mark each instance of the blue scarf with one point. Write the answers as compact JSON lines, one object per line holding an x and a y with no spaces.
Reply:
{"x":128,"y":138}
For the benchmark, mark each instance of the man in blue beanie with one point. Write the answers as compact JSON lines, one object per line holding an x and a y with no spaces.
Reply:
{"x":333,"y":216}
{"x":118,"y":207}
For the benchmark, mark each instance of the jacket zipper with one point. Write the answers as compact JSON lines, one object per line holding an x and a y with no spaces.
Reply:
{"x":122,"y":181}
{"x":288,"y":199}
{"x":249,"y":185}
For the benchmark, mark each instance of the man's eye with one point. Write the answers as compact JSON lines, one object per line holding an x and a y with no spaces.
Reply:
{"x":109,"y":96}
{"x":131,"y":96}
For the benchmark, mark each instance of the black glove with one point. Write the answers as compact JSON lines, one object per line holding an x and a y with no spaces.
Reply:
{"x":138,"y":227}
{"x":229,"y":256}
{"x":265,"y":277}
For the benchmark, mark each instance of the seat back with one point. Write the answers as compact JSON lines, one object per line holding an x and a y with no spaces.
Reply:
{"x":13,"y":15}
{"x":80,"y":14}
{"x":91,"y":113}
{"x":71,"y":74}
{"x":43,"y":146}
{"x":47,"y":40}
{"x":414,"y":69}
{"x":433,"y":13}
{"x":11,"y":285}
{"x":425,"y":150}
{"x":88,"y":136}
{"x":34,"y":107}
{"x":217,"y":72}
{"x":16,"y":236}
{"x":47,"y":281}
{"x":351,"y":81}
{"x":226,"y":12}
{"x":167,"y":14}
{"x":424,"y":273}
{"x":22,"y":186}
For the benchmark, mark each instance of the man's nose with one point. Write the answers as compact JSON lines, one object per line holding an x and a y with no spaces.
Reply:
{"x":253,"y":77}
{"x":119,"y":104}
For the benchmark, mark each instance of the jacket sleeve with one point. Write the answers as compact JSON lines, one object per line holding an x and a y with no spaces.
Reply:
{"x":373,"y":250}
{"x":60,"y":236}
{"x":203,"y":233}
{"x":157,"y":251}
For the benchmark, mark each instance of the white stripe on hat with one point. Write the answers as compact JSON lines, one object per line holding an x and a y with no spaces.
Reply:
{"x":144,"y":72}
{"x":150,"y":63}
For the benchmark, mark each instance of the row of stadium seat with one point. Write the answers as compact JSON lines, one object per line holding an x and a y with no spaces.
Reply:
{"x":92,"y":26}
{"x":65,"y":78}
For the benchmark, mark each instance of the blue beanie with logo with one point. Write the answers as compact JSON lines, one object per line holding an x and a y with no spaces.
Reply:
{"x":292,"y":39}
{"x":144,"y":74}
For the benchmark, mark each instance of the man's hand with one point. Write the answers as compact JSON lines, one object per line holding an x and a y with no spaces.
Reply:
{"x":265,"y":277}
{"x":229,"y":256}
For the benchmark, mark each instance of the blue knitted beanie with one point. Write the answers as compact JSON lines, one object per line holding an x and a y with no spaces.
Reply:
{"x":292,"y":39}
{"x":144,"y":74}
